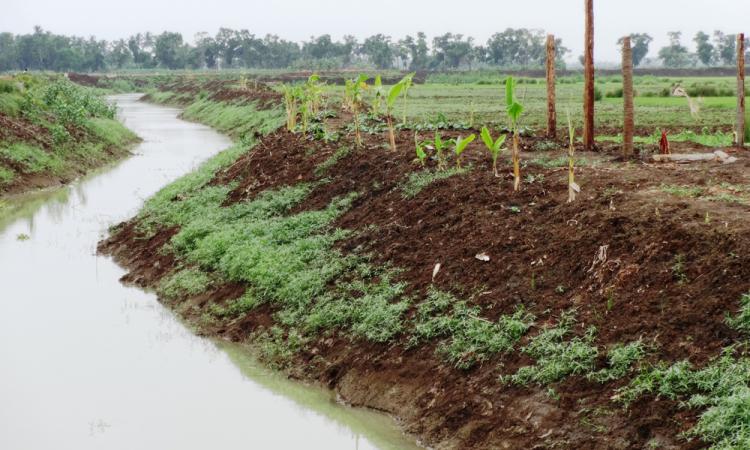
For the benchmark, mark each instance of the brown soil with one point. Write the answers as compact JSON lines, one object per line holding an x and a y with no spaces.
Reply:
{"x":530,"y":235}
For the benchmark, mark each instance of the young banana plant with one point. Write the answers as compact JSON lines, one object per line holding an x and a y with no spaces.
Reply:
{"x":420,"y":147}
{"x":390,"y":102}
{"x":292,"y":96}
{"x":573,"y":188}
{"x":495,"y":146}
{"x":514,"y":110}
{"x":439,"y":145}
{"x":408,"y":81}
{"x":356,"y":89}
{"x":377,"y":97}
{"x":459,"y":145}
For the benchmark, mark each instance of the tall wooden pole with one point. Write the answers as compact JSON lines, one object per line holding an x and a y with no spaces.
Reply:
{"x":588,"y":90}
{"x":627,"y":97}
{"x":741,"y":90}
{"x":551,"y":112}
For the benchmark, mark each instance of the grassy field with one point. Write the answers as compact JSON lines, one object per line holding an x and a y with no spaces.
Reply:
{"x":477,"y":101}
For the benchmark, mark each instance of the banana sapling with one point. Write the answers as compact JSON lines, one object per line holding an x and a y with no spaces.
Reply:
{"x":514,"y":110}
{"x":495,"y":146}
{"x":460,"y":144}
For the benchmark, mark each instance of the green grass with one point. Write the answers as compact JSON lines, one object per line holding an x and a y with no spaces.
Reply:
{"x":465,"y":338}
{"x":621,"y":359}
{"x":557,"y":354}
{"x":741,"y":322}
{"x":6,"y":176}
{"x":721,"y":389}
{"x":184,"y":283}
{"x":332,"y":160}
{"x":456,"y":96}
{"x":418,"y":181}
{"x":110,"y":131}
{"x":33,"y":159}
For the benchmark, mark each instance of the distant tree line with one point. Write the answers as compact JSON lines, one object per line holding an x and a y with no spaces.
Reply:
{"x":42,"y":50}
{"x":512,"y":48}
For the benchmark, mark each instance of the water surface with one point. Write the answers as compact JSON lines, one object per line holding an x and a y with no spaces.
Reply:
{"x":87,"y":363}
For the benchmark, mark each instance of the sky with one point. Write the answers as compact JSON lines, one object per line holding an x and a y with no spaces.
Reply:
{"x":299,"y":19}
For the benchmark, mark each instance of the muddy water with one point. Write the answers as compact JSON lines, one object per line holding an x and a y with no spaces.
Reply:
{"x":87,"y":363}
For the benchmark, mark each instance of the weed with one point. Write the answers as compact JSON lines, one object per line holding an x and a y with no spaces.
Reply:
{"x":741,"y":322}
{"x":678,"y":269}
{"x":184,"y":283}
{"x":621,"y":359}
{"x":466,"y":338}
{"x":420,"y":180}
{"x":557,"y":357}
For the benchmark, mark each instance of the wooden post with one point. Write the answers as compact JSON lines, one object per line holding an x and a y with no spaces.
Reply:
{"x":627,"y":97}
{"x":551,"y":112}
{"x":588,"y":89}
{"x":741,"y":90}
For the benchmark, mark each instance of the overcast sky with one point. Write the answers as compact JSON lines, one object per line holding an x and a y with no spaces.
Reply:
{"x":299,"y":19}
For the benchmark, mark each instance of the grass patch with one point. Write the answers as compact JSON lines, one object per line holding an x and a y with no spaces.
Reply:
{"x":418,"y":181}
{"x":110,"y":131}
{"x":33,"y":159}
{"x":621,"y":359}
{"x":6,"y":176}
{"x":466,"y":338}
{"x":741,"y":321}
{"x":721,"y":388}
{"x":184,"y":283}
{"x":557,"y":356}
{"x":332,"y":160}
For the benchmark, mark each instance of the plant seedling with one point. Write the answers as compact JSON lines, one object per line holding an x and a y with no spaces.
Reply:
{"x":514,"y":110}
{"x":460,"y":144}
{"x":420,"y":146}
{"x":354,"y":94}
{"x":438,"y":144}
{"x":408,"y":81}
{"x":378,"y":95}
{"x":494,"y":146}
{"x":292,"y":95}
{"x":393,"y":94}
{"x":573,"y":188}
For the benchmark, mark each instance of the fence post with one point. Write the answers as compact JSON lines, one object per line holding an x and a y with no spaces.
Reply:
{"x":551,"y":112}
{"x":588,"y":90}
{"x":740,"y":90}
{"x":627,"y":97}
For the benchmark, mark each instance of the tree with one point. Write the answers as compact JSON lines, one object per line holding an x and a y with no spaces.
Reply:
{"x":119,"y":54}
{"x":418,"y":51}
{"x":208,"y":49}
{"x":675,"y":54}
{"x":8,"y":56}
{"x":640,"y":43}
{"x":725,"y":47}
{"x":168,"y":50}
{"x":704,"y":49}
{"x":379,"y":50}
{"x":451,"y":50}
{"x":229,"y":44}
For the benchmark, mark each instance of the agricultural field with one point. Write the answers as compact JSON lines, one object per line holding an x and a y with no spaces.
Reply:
{"x":601,"y":303}
{"x":52,"y":130}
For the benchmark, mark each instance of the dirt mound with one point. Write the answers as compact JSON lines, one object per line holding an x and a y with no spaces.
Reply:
{"x":84,"y":79}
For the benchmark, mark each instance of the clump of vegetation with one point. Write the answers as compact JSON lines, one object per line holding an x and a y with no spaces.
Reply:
{"x":557,"y":355}
{"x":467,"y":339}
{"x":621,"y":359}
{"x":417,"y":181}
{"x":187,"y":282}
{"x":354,"y":95}
{"x":741,"y":322}
{"x":722,"y":388}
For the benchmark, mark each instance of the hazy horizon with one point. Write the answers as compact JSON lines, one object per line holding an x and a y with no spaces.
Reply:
{"x":299,"y":20}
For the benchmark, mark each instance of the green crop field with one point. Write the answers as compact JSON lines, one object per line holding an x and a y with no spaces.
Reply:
{"x":469,"y":98}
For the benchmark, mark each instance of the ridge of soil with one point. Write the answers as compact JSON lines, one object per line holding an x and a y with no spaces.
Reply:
{"x":543,"y":254}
